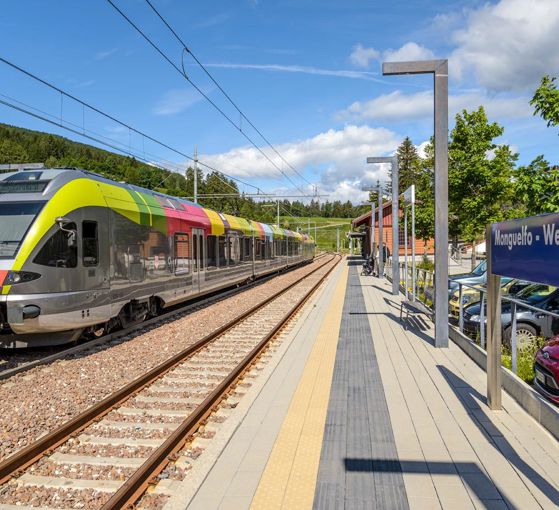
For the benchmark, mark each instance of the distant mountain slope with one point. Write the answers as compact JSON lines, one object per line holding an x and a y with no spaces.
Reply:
{"x":19,"y":145}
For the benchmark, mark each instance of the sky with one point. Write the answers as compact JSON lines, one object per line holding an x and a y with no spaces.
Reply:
{"x":306,"y":73}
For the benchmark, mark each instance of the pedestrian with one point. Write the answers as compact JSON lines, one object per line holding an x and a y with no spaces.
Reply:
{"x":385,"y":257}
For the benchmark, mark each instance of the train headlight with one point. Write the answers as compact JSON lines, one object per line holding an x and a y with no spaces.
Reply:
{"x":15,"y":277}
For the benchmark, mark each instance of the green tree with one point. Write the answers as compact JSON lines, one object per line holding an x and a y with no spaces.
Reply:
{"x":408,"y":165}
{"x":479,"y":177}
{"x":12,"y":152}
{"x":546,"y":100}
{"x":537,"y":188}
{"x":425,"y":196}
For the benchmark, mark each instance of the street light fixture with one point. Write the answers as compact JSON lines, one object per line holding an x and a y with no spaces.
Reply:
{"x":393,"y":160}
{"x":439,"y":68}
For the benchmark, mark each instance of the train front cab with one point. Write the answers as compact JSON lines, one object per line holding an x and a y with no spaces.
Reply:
{"x":62,"y":287}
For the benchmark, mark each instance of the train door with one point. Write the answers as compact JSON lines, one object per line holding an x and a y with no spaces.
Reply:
{"x":93,"y":248}
{"x":136,"y":261}
{"x":197,"y":259}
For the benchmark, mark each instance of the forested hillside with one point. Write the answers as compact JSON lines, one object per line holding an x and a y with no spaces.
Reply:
{"x":18,"y":145}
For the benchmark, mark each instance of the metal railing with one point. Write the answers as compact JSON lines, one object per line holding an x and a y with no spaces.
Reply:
{"x":425,"y":280}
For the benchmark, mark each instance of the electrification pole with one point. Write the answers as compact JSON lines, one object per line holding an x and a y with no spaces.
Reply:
{"x":338,"y":240}
{"x":372,"y":243}
{"x":195,"y":174}
{"x":393,"y":160}
{"x":380,"y":244}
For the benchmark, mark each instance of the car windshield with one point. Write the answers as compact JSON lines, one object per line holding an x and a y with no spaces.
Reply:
{"x":15,"y":220}
{"x":480,"y":269}
{"x":535,"y":293}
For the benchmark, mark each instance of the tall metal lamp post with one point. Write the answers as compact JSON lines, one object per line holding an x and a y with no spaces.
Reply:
{"x":393,"y":160}
{"x":438,"y":68}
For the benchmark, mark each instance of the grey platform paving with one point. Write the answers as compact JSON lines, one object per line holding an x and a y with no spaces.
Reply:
{"x":234,"y":478}
{"x":417,"y":428}
{"x":359,"y":465}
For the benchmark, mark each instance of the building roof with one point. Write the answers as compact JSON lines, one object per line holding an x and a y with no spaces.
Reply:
{"x":367,"y":216}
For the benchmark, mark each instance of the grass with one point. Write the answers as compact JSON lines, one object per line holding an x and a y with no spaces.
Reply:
{"x":525,"y":355}
{"x":325,"y":231}
{"x":524,"y":359}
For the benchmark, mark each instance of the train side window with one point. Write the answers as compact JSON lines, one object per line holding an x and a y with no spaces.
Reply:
{"x":90,"y":244}
{"x":222,"y":258}
{"x":234,"y":253}
{"x":246,"y":252}
{"x":211,"y":243}
{"x":59,"y":250}
{"x":182,"y":254}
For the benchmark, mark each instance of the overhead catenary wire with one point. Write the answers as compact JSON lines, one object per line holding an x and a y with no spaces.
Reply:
{"x":217,"y":84}
{"x":114,"y":119}
{"x":204,"y":95}
{"x":38,"y":114}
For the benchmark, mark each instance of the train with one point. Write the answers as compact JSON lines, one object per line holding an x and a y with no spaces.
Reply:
{"x":82,"y":255}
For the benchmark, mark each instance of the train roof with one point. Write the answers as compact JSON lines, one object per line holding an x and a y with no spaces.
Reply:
{"x":43,"y":183}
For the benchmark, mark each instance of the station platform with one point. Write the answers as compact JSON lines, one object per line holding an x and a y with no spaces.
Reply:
{"x":361,"y":412}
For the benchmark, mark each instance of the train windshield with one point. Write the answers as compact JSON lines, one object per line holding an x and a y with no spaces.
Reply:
{"x":15,"y":220}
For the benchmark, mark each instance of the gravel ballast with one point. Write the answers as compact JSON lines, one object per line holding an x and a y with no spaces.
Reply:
{"x":43,"y":398}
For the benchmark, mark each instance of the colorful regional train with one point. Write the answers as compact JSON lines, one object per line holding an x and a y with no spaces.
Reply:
{"x":81,"y":254}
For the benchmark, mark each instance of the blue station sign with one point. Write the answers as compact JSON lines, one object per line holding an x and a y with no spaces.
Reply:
{"x":527,"y":248}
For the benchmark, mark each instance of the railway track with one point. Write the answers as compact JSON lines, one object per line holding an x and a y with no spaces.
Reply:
{"x":16,"y":361}
{"x":107,"y":456}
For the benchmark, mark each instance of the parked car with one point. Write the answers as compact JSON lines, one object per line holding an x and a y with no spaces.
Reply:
{"x":509,"y":287}
{"x":546,"y":368}
{"x":476,"y":277}
{"x":529,"y":323}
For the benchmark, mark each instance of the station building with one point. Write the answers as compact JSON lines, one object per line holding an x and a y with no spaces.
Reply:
{"x":363,"y":224}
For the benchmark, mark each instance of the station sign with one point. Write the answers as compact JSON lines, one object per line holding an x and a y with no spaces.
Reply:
{"x":527,"y":248}
{"x":409,"y":195}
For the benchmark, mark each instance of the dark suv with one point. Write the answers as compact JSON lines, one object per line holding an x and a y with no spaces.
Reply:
{"x":529,"y":323}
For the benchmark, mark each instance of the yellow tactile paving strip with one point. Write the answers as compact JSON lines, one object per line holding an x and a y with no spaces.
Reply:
{"x":289,"y":478}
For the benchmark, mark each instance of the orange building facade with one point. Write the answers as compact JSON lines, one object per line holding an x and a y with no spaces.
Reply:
{"x":363,"y":223}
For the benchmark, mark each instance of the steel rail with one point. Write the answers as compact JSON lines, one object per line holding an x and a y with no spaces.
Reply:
{"x":177,"y":309}
{"x":14,"y":464}
{"x":137,"y":484}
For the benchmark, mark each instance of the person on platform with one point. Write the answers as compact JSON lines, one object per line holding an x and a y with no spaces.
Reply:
{"x":385,"y":257}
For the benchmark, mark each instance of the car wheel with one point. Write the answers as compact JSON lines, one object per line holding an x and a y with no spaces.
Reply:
{"x":525,"y":335}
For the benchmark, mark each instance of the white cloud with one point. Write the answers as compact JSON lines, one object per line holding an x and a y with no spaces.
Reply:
{"x":176,"y":101}
{"x":508,"y":45}
{"x":421,"y":149}
{"x":363,"y":75}
{"x":339,"y":156}
{"x":361,"y":56}
{"x":398,"y":106}
{"x":409,"y":51}
{"x":102,"y":55}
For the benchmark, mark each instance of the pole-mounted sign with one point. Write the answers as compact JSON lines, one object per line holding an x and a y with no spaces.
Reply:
{"x":393,"y":160}
{"x":527,"y":248}
{"x":409,"y":201}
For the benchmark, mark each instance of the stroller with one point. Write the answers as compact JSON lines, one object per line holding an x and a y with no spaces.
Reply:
{"x":368,"y":266}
